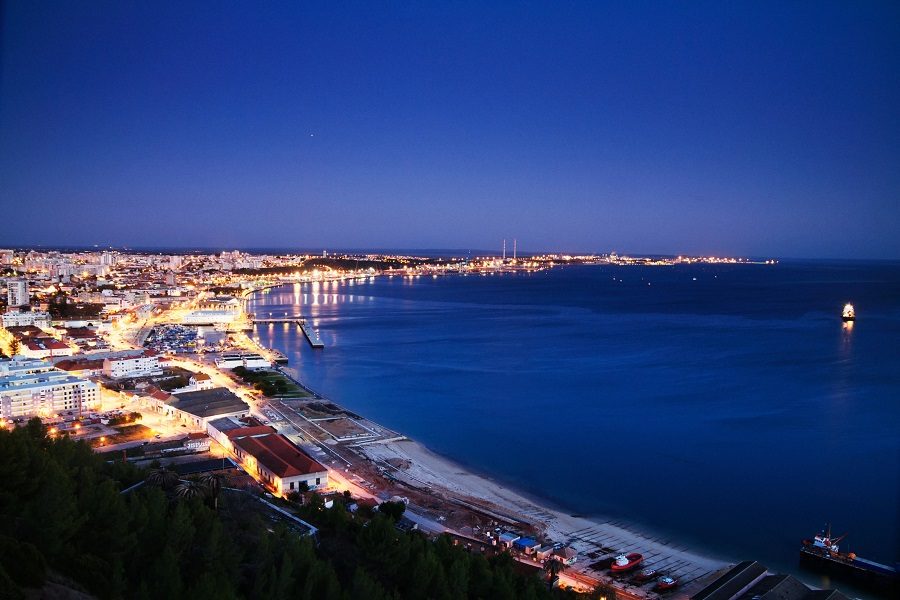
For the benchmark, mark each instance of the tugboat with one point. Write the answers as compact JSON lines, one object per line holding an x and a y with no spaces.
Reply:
{"x":849,"y":313}
{"x":665,"y":583}
{"x":645,"y":575}
{"x":822,"y":553}
{"x":624,"y":562}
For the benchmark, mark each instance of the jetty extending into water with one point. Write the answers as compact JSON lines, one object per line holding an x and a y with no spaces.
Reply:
{"x":312,"y":336}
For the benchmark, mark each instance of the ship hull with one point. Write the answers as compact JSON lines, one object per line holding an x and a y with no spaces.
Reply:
{"x":861,"y":572}
{"x":633,"y":561}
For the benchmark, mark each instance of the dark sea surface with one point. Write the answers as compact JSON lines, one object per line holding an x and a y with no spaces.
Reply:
{"x":726,"y":405}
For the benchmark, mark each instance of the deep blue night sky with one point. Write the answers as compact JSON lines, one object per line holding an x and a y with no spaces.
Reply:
{"x":758,"y":128}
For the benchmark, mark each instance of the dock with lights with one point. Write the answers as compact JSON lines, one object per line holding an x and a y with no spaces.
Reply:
{"x":312,"y":336}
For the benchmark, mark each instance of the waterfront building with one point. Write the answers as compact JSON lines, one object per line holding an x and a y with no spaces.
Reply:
{"x":141,"y":365}
{"x":750,"y":580}
{"x":209,"y":317}
{"x":279,"y":463}
{"x":30,"y":388}
{"x":269,"y":456}
{"x":196,"y":409}
{"x":233,"y":360}
{"x":566,"y":555}
{"x":17,"y":293}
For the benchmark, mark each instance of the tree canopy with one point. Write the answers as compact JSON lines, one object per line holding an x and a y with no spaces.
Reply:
{"x":66,"y":520}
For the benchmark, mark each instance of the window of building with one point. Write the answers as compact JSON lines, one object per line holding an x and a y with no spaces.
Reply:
{"x":318,"y":480}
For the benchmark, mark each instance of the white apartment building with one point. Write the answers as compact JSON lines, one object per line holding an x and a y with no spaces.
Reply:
{"x":31,"y":388}
{"x":140,"y":365}
{"x":17,"y":292}
{"x":23,"y":319}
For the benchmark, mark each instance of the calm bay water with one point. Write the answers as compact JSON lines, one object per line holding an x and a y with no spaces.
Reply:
{"x":727,"y":406}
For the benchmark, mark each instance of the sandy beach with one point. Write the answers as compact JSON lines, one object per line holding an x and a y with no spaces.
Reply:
{"x":413,"y":464}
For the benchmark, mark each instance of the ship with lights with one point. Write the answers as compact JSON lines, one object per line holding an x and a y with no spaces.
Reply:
{"x":849,"y":313}
{"x":822,"y":553}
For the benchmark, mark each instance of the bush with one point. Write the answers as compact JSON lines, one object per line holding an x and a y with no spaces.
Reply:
{"x":394,"y":510}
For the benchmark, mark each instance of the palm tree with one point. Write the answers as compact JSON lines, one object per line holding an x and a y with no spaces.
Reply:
{"x":162,"y":477}
{"x":189,"y":489}
{"x":553,"y":568}
{"x":214,"y":482}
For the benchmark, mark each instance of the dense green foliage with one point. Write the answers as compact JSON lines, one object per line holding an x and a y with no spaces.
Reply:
{"x":131,"y":417}
{"x":62,"y":307}
{"x":65,"y":519}
{"x":269,"y":383}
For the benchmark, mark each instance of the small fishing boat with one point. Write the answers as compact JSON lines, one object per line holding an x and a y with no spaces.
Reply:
{"x":665,"y":583}
{"x":849,"y":313}
{"x":626,"y":562}
{"x":645,"y":575}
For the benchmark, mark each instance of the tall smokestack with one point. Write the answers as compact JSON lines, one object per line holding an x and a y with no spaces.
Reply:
{"x":504,"y":248}
{"x":514,"y":248}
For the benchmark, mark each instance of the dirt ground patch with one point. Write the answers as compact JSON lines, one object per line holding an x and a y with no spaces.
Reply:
{"x":344,"y":428}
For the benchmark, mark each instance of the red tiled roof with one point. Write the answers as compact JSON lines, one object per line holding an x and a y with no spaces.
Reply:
{"x":278,"y":455}
{"x":161,"y":395}
{"x":79,"y":365}
{"x":81,"y":333}
{"x":200,"y":377}
{"x":46,"y":344}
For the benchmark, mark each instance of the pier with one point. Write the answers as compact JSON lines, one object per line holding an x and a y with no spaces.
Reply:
{"x":311,"y":335}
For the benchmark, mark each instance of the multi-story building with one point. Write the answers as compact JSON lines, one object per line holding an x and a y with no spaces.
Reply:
{"x":30,"y":388}
{"x":25,"y":318}
{"x":139,"y":365}
{"x":17,"y":292}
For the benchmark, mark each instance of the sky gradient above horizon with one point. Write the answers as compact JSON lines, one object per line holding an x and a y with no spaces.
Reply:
{"x":755,"y":129}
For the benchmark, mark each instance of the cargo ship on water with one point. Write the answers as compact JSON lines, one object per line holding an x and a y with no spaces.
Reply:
{"x":822,"y":553}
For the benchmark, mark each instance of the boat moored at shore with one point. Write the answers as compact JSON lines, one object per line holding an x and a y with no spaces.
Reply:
{"x":666,"y":583}
{"x":822,"y":554}
{"x":626,"y":562}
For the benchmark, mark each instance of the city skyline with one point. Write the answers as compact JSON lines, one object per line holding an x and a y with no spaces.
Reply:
{"x":764,"y":130}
